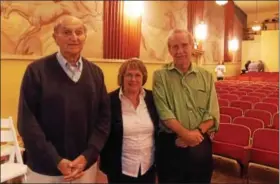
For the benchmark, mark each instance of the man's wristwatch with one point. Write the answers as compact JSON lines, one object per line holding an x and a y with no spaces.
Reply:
{"x":200,"y":130}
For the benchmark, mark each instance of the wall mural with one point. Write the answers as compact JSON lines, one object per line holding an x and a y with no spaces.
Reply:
{"x":159,"y":19}
{"x":164,"y":16}
{"x":27,"y":27}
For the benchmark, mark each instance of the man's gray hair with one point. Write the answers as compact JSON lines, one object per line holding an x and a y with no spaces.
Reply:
{"x":59,"y":23}
{"x":179,"y":30}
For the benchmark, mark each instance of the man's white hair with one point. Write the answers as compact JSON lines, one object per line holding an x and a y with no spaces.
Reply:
{"x":179,"y":30}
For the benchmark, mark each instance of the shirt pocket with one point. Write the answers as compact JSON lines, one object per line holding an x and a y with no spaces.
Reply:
{"x":201,"y":98}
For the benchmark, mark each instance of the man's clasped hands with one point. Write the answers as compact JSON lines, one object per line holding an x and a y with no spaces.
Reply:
{"x":72,"y":170}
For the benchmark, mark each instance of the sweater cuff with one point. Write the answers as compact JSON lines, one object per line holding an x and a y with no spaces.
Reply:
{"x":57,"y":159}
{"x":91,"y":155}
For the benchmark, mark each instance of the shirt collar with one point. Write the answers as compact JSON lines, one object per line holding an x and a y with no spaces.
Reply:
{"x":192,"y":68}
{"x":142,"y":93}
{"x":65,"y":63}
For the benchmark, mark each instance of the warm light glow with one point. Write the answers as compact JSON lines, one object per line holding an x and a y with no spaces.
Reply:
{"x":233,"y":45}
{"x":134,"y":8}
{"x":195,"y":45}
{"x":201,"y":31}
{"x":221,"y":3}
{"x":256,"y":27}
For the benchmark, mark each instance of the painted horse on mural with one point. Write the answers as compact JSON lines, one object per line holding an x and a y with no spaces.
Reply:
{"x":41,"y":13}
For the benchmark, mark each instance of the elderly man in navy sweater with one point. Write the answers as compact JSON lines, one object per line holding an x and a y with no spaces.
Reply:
{"x":64,"y":111}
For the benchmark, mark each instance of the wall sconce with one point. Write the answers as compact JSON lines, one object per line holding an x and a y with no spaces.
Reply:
{"x":134,"y":9}
{"x":233,"y":45}
{"x":221,"y":3}
{"x":200,"y":34}
{"x":200,"y":31}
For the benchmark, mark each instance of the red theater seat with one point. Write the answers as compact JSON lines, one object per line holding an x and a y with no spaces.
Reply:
{"x":247,"y":90}
{"x":265,"y":91}
{"x":235,"y":147}
{"x":265,"y":147}
{"x":241,"y":104}
{"x":229,"y":88}
{"x":270,"y":88}
{"x":221,"y":91}
{"x":251,"y":99}
{"x":272,"y":108}
{"x":274,"y":95}
{"x":225,"y":118}
{"x":257,"y":94}
{"x":271,"y":100}
{"x":244,"y":78}
{"x":238,"y":93}
{"x":265,"y":116}
{"x":249,"y":122}
{"x":223,"y":102}
{"x":231,"y":111}
{"x":276,"y":121}
{"x":228,"y":97}
{"x":256,"y":86}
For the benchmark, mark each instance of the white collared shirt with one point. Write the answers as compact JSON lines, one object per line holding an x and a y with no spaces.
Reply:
{"x":73,"y":72}
{"x":138,"y":137}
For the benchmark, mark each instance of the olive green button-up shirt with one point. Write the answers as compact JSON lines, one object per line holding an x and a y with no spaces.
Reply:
{"x":190,"y":98}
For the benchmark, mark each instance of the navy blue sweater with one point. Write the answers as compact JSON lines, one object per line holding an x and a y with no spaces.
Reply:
{"x":58,"y":118}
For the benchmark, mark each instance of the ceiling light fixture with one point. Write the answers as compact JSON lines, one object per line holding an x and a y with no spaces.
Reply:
{"x":256,"y":27}
{"x":221,"y":3}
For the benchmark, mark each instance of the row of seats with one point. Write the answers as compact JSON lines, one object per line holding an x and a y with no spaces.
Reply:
{"x":249,"y":129}
{"x":263,"y":150}
{"x":246,"y":87}
{"x":233,"y":87}
{"x":259,"y":94}
{"x":252,"y":99}
{"x":270,"y":107}
{"x":272,"y":77}
{"x":250,"y":122}
{"x":255,"y":78}
{"x":246,"y":83}
{"x":263,"y":115}
{"x":234,"y":83}
{"x":246,"y":90}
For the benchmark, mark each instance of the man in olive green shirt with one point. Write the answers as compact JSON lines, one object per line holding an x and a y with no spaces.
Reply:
{"x":187,"y":104}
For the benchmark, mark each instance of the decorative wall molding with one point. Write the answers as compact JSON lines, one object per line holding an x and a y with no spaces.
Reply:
{"x":95,"y":60}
